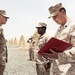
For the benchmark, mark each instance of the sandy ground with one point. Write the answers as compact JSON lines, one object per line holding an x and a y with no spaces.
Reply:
{"x":18,"y":62}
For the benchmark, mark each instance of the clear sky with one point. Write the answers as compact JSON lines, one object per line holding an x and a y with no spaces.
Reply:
{"x":26,"y":14}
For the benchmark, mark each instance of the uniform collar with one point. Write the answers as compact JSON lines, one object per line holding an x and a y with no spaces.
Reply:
{"x":64,"y":26}
{"x":43,"y":35}
{"x":67,"y":23}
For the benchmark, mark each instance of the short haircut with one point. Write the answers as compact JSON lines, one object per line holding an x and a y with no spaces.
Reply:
{"x":62,"y":9}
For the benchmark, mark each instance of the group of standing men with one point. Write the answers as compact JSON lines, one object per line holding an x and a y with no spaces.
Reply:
{"x":55,"y":63}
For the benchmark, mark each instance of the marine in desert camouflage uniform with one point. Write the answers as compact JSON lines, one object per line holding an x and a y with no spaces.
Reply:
{"x":42,"y":63}
{"x":3,"y":47}
{"x":63,"y":63}
{"x":31,"y":42}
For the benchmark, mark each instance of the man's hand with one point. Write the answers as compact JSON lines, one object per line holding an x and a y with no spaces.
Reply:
{"x":53,"y":54}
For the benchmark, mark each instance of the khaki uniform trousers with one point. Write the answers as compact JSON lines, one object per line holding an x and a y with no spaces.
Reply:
{"x":31,"y":54}
{"x":2,"y":68}
{"x":42,"y":69}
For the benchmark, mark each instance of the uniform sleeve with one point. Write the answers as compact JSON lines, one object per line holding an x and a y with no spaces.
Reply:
{"x":68,"y":56}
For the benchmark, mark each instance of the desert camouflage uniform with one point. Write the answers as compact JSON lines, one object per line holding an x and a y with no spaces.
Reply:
{"x":3,"y":57}
{"x":42,"y":64}
{"x":31,"y":42}
{"x":65,"y":65}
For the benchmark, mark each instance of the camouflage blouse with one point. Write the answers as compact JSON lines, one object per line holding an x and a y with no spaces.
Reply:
{"x":42,"y":40}
{"x":65,"y":64}
{"x":2,"y":48}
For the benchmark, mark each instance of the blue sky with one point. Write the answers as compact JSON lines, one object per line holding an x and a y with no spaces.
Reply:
{"x":26,"y":14}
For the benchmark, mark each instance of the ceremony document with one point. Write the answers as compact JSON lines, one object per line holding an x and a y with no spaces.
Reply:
{"x":56,"y":45}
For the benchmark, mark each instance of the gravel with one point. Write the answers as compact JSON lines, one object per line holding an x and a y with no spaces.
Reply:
{"x":18,"y":62}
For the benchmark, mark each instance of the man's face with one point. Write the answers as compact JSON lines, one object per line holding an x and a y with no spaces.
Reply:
{"x":40,"y":30}
{"x":3,"y":19}
{"x":59,"y":18}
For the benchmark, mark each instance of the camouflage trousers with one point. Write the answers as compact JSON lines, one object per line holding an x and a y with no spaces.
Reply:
{"x":31,"y":54}
{"x":41,"y":69}
{"x":2,"y":68}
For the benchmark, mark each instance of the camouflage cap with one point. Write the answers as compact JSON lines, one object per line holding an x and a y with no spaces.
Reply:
{"x":41,"y":24}
{"x":3,"y":13}
{"x":55,"y":9}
